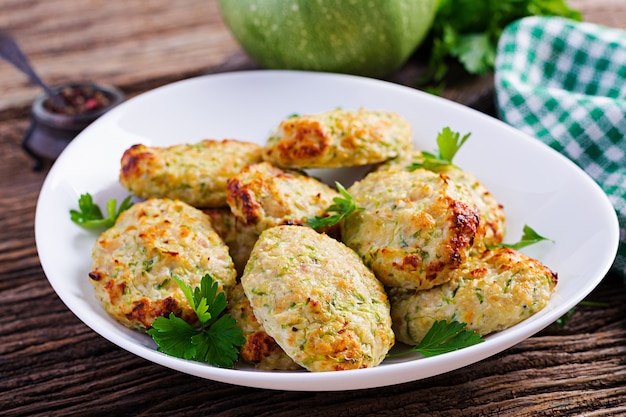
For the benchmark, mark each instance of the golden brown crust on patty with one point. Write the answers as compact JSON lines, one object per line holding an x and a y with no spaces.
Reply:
{"x":491,"y":211}
{"x":263,"y":195}
{"x":414,"y":228}
{"x":492,"y":218}
{"x":193,"y":173}
{"x":134,"y":261}
{"x":489,"y":293}
{"x":338,"y":138}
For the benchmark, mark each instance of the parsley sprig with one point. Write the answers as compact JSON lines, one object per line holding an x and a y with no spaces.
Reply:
{"x":529,"y":237}
{"x":443,"y":337}
{"x":215,"y":341}
{"x":562,"y":321}
{"x":89,"y":215}
{"x":448,"y":143}
{"x":467,"y":31}
{"x":343,"y":207}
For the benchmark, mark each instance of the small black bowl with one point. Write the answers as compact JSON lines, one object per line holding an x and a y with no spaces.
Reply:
{"x":52,"y":128}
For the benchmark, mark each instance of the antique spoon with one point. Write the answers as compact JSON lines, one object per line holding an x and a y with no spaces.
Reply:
{"x":11,"y":52}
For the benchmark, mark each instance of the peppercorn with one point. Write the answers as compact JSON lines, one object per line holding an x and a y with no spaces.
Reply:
{"x":78,"y":99}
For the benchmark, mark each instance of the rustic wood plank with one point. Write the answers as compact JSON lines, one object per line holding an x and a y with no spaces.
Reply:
{"x":52,"y":364}
{"x":124,"y":43}
{"x":117,"y":43}
{"x":610,"y":13}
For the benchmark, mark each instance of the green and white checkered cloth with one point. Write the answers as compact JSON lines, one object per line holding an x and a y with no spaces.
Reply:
{"x":564,"y":82}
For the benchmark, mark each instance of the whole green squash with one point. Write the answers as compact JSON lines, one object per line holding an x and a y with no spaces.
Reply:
{"x":364,"y":37}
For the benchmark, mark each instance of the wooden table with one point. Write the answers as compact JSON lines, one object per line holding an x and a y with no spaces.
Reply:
{"x":52,"y":364}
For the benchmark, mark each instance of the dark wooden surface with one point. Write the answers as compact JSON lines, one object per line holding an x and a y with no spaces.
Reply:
{"x":52,"y":364}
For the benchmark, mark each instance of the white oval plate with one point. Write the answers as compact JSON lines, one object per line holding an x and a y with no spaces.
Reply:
{"x":537,"y":186}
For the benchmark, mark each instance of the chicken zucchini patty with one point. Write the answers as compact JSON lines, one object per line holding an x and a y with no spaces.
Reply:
{"x":239,"y":237}
{"x":193,"y":173}
{"x":263,"y":195}
{"x":318,"y":300}
{"x":338,"y":138}
{"x":492,"y":217}
{"x":260,"y":349}
{"x":414,"y":227}
{"x":136,"y":260}
{"x":489,"y":293}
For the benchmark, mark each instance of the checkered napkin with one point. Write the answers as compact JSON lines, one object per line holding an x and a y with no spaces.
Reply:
{"x":564,"y":82}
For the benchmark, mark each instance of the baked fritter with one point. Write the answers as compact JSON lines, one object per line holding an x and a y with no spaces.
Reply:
{"x":134,"y":261}
{"x":415,"y":227}
{"x":239,"y":238}
{"x":264,"y":195}
{"x":492,"y":217}
{"x":338,"y":138}
{"x":489,"y":293}
{"x":193,"y":173}
{"x":318,"y":300}
{"x":260,"y":349}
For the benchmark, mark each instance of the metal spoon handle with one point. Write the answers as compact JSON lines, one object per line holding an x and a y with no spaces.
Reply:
{"x":11,"y":52}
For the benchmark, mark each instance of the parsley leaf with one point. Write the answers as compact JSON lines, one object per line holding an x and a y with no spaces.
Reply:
{"x":529,"y":237}
{"x":444,"y":337}
{"x":448,"y":143}
{"x":218,"y":344}
{"x":90,"y":216}
{"x":342,"y":206}
{"x":468,"y":31}
{"x":476,"y":52}
{"x":209,"y":303}
{"x":215,"y":341}
{"x":562,"y":321}
{"x":172,"y":335}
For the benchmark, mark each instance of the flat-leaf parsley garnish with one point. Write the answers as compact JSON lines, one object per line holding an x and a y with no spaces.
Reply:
{"x":468,"y":31}
{"x":529,"y":237}
{"x":90,"y":216}
{"x":562,"y":321}
{"x":444,"y":337}
{"x":448,"y":143}
{"x":216,"y":341}
{"x":342,"y":207}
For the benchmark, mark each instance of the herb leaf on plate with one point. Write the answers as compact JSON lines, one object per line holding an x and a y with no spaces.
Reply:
{"x":173,"y":335}
{"x":443,"y":337}
{"x":215,"y":341}
{"x":342,"y":207}
{"x":529,"y":237}
{"x":89,"y":215}
{"x":448,"y":143}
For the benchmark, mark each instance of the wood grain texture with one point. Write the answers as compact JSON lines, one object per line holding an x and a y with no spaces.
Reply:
{"x":120,"y":42}
{"x":138,"y":45}
{"x":52,"y":364}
